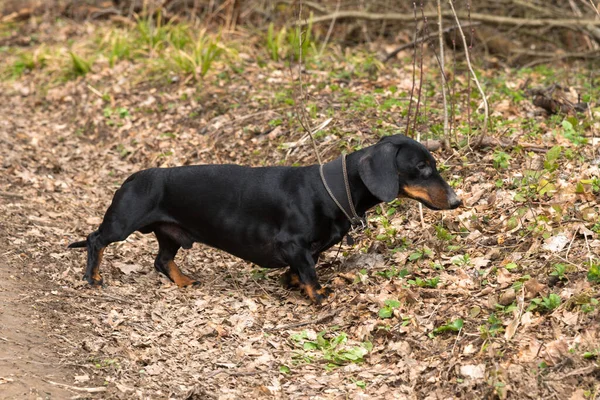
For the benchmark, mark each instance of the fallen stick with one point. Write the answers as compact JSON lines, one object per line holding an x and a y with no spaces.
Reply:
{"x":419,"y":40}
{"x":299,"y":324}
{"x":496,"y":19}
{"x":76,"y":388}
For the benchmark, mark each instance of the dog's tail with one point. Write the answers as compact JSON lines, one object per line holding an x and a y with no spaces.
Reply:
{"x":75,"y":245}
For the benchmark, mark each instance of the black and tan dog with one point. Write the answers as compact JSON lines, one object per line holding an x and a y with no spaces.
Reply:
{"x":272,"y":216}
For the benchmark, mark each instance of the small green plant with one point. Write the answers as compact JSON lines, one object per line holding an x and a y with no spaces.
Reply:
{"x":332,"y":349}
{"x":284,"y":369}
{"x":420,"y":254}
{"x":429,"y":282}
{"x":119,"y":48}
{"x":559,"y":271}
{"x":443,"y":234}
{"x":501,"y":159}
{"x":199,"y":60}
{"x":107,"y":363}
{"x":511,"y":266}
{"x":79,"y":65}
{"x":178,"y":35}
{"x":494,"y":327}
{"x":393,"y":272}
{"x":290,"y":43}
{"x":453,"y":326}
{"x":275,"y":41}
{"x":365,"y":102}
{"x":545,"y":304}
{"x":593,"y":185}
{"x":593,"y":274}
{"x":300,"y":40}
{"x":551,"y":159}
{"x":387,"y":311}
{"x":28,"y":61}
{"x":360,"y":384}
{"x":592,"y":355}
{"x":519,"y":282}
{"x":123,"y":112}
{"x":463,"y":261}
{"x":572,"y":131}
{"x":275,"y":122}
{"x":259,"y":274}
{"x":590,"y":305}
{"x":152,"y":33}
{"x":110,"y":114}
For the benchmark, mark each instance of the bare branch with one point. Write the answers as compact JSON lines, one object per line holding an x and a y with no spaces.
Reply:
{"x":485,"y":103}
{"x":496,"y":19}
{"x":443,"y":74}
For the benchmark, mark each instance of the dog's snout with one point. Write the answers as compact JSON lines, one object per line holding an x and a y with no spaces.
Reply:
{"x":454,"y":201}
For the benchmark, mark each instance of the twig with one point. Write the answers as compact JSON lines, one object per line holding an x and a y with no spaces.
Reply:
{"x":412,"y":87}
{"x":310,"y":4}
{"x":485,"y":103}
{"x":302,"y":117}
{"x":580,"y":371}
{"x":553,"y":58}
{"x":331,"y":25}
{"x":595,"y":8}
{"x":419,"y":40}
{"x":233,"y":373}
{"x":95,"y":91}
{"x":423,"y":32}
{"x":65,"y":339}
{"x":497,"y":19}
{"x":11,"y":195}
{"x":78,"y":389}
{"x":443,"y":73}
{"x":304,"y":323}
{"x":571,"y":242}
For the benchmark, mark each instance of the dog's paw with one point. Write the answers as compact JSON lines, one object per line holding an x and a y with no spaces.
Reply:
{"x":317,"y":294}
{"x":290,"y":280}
{"x":95,"y":283}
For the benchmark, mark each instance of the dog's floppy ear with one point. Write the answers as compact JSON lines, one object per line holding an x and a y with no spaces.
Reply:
{"x":378,"y":171}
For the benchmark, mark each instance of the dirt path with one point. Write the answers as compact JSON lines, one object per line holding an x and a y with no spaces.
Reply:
{"x":29,"y":358}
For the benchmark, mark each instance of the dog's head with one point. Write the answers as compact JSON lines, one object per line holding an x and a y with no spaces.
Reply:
{"x":398,"y":166}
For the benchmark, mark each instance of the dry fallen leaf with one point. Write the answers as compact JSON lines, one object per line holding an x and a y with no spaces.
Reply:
{"x":533,"y":287}
{"x":473,"y":371}
{"x":556,"y":243}
{"x":507,"y":297}
{"x":127,"y":268}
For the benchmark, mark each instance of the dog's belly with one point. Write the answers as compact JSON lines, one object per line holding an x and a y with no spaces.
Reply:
{"x":264,"y":255}
{"x":258,"y":249}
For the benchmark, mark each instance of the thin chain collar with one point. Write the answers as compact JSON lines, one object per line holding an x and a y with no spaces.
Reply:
{"x":356,"y":221}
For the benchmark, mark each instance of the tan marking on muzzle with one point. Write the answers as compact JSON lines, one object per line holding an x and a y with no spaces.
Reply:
{"x":435,"y":195}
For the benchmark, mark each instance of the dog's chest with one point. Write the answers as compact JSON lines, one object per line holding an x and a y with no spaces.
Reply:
{"x":326,"y":240}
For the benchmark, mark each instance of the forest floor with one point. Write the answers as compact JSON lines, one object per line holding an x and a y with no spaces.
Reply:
{"x":497,"y":299}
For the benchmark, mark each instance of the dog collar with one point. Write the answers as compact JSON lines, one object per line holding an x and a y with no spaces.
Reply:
{"x":345,"y":204}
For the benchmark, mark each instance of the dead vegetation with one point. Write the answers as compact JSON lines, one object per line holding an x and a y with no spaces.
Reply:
{"x":498,"y":299}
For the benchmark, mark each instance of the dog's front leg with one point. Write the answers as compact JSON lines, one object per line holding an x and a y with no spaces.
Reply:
{"x":302,"y":273}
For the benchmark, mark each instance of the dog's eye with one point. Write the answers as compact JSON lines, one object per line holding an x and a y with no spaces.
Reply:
{"x":421,"y":166}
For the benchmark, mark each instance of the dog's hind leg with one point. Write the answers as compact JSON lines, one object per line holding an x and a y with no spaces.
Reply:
{"x":94,"y":258}
{"x":167,"y":249}
{"x":127,"y":213}
{"x":96,"y":243}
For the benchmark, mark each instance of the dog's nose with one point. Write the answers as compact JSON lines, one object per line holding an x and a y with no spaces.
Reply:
{"x":454,"y":201}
